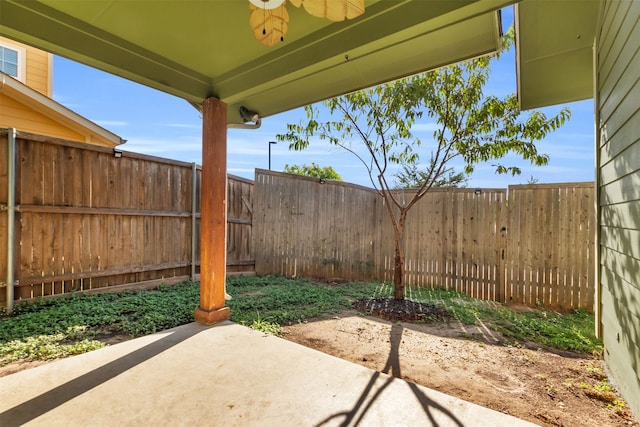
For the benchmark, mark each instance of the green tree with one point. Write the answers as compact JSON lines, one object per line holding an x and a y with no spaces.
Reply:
{"x":412,"y":176}
{"x":469,"y":126}
{"x":325,"y":172}
{"x":532,"y":180}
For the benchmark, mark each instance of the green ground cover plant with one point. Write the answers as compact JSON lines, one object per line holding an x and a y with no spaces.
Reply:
{"x":52,"y":328}
{"x":572,"y":331}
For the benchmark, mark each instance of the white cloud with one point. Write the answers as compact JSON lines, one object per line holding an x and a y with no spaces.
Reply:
{"x":107,"y":123}
{"x":243,"y":171}
{"x":182,"y":125}
{"x":484,"y":175}
{"x":186,"y":149}
{"x":243,"y":150}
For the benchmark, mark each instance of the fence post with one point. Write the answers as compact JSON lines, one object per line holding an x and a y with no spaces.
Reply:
{"x":11,"y":212}
{"x":194,"y":195}
{"x":501,"y":276}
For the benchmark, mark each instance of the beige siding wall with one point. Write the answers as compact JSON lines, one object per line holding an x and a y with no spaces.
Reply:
{"x":618,"y":103}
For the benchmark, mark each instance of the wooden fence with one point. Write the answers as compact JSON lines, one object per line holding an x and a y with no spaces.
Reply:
{"x":303,"y":228}
{"x":86,"y":219}
{"x":550,"y":245}
{"x":454,"y":238}
{"x":534,"y":246}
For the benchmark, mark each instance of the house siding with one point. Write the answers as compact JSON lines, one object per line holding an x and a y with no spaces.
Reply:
{"x":28,"y":115}
{"x":618,"y":161}
{"x":19,"y":116}
{"x":38,"y":72}
{"x":38,"y":67}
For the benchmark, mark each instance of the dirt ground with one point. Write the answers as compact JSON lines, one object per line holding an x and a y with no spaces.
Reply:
{"x":549,"y":388}
{"x":544,"y":386}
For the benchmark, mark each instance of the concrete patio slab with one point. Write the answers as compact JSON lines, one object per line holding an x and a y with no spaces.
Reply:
{"x":225,"y":375}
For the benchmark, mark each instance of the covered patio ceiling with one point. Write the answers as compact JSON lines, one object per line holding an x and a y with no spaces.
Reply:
{"x":201,"y":49}
{"x":554,"y":59}
{"x":205,"y":52}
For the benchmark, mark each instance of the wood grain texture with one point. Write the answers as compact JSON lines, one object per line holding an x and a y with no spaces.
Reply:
{"x":87,"y":220}
{"x":532,"y":247}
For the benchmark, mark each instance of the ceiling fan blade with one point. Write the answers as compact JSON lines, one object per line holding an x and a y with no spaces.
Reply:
{"x":334,"y":10}
{"x":269,"y":25}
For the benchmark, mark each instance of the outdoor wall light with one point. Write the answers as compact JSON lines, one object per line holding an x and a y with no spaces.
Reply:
{"x":478,"y":190}
{"x":248,"y":115}
{"x":117,"y":154}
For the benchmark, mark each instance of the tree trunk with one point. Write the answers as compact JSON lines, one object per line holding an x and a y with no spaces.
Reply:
{"x":398,"y":276}
{"x":398,"y":265}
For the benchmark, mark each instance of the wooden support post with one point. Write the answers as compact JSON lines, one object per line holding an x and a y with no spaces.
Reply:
{"x":213,"y":220}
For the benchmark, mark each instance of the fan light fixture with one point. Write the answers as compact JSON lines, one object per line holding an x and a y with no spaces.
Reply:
{"x":267,"y":4}
{"x":269,"y":19}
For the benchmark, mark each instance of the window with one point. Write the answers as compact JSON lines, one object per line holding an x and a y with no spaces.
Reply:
{"x":9,"y":61}
{"x":12,"y":60}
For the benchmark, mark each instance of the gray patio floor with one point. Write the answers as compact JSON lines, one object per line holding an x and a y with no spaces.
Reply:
{"x":225,"y":375}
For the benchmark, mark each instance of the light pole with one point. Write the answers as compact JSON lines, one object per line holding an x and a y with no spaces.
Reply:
{"x":270,"y":143}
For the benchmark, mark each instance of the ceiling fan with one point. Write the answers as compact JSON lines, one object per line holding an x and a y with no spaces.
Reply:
{"x":269,"y":18}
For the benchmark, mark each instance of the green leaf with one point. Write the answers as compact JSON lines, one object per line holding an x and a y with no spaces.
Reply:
{"x":376,"y":125}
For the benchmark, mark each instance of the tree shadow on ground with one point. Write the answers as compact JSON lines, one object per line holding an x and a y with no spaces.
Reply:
{"x":368,"y":397}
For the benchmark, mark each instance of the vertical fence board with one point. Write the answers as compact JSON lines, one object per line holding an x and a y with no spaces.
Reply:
{"x":547,"y":237}
{"x":4,"y":144}
{"x":590,"y":225}
{"x":554,"y":238}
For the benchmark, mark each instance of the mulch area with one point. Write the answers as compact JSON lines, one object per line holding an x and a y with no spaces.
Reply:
{"x":402,"y":310}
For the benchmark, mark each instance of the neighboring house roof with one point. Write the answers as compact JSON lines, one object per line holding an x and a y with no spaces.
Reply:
{"x":45,"y":106}
{"x":554,"y":51}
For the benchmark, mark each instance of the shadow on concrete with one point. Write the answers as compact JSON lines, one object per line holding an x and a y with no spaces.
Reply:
{"x":55,"y":397}
{"x":355,"y":415}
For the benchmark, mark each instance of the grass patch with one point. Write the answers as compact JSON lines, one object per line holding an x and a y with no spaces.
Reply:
{"x":45,"y":347}
{"x":59,"y":327}
{"x":268,"y":328}
{"x":573,"y":331}
{"x":285,"y":301}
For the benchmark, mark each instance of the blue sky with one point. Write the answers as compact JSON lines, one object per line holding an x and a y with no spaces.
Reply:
{"x":162,"y":125}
